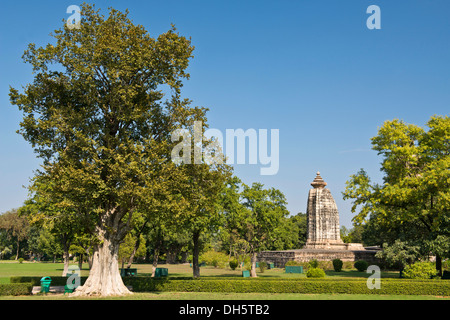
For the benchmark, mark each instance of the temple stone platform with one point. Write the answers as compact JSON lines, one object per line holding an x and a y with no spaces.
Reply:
{"x":323,"y":241}
{"x":279,"y":258}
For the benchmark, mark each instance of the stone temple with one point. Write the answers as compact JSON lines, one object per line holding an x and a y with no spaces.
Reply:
{"x":323,"y":240}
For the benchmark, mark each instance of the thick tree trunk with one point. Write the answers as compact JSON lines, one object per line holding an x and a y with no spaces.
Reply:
{"x":104,"y":278}
{"x":253,"y":271}
{"x":195,"y":265}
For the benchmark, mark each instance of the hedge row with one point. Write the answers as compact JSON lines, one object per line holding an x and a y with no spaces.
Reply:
{"x":15,"y":289}
{"x":239,"y":285}
{"x":36,"y":281}
{"x":307,"y":286}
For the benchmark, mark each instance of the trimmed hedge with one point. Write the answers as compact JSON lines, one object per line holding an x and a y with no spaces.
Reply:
{"x":264,"y":285}
{"x":36,"y":281}
{"x":307,"y":286}
{"x":16,"y":289}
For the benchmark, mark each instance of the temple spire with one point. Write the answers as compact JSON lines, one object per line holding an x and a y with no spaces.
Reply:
{"x":318,"y":181}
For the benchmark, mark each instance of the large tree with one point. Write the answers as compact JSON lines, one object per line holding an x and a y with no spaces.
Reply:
{"x":415,"y":194}
{"x":98,"y":116}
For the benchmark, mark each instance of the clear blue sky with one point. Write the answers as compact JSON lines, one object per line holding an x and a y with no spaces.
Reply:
{"x":311,"y":69}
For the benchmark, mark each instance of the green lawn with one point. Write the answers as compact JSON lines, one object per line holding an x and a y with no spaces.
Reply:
{"x":14,"y":268}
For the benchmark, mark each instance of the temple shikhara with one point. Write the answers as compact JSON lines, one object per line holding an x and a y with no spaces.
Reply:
{"x":323,"y":240}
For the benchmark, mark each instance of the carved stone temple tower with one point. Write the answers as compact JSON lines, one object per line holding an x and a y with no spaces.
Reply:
{"x":323,"y":240}
{"x":323,"y":231}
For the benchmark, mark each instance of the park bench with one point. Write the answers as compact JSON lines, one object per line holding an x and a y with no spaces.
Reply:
{"x":128,"y":272}
{"x":294,"y":269}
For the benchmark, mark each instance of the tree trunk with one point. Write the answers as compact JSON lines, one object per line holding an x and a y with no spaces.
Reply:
{"x":80,"y":263}
{"x":18,"y":246}
{"x":66,"y":258}
{"x":89,"y":257}
{"x":439,"y":265}
{"x":136,"y":247}
{"x":104,"y":278}
{"x":253,"y":271}
{"x":155,"y":260}
{"x":195,"y":265}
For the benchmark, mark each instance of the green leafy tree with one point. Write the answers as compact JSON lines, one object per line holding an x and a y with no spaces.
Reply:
{"x":16,"y":228}
{"x":258,"y":223}
{"x":128,"y":249}
{"x":97,"y":115}
{"x":399,"y":254}
{"x":416,"y":186}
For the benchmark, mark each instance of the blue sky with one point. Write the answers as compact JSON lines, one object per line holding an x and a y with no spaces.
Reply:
{"x":311,"y":69}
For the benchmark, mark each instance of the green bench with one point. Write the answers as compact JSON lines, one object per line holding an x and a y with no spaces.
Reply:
{"x":161,"y":272}
{"x":128,"y":272}
{"x":293,"y":269}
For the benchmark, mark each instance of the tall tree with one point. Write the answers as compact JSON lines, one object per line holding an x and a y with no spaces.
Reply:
{"x":96,"y":114}
{"x":416,"y":188}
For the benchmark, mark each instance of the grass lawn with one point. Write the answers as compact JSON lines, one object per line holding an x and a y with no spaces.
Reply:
{"x":14,"y":268}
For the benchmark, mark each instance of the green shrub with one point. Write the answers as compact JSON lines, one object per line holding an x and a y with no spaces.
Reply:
{"x":293,"y":263}
{"x":420,"y":270}
{"x":315,"y":273}
{"x":21,"y":260}
{"x":233,"y":264}
{"x":15,"y":289}
{"x":36,"y":281}
{"x":247,"y":263}
{"x":313,"y":264}
{"x":361,"y":265}
{"x":214,"y":258}
{"x":262,"y":266}
{"x":337,"y":265}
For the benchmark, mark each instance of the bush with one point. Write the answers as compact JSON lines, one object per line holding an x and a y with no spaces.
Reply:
{"x":233,"y":264}
{"x":315,"y":273}
{"x":293,"y":263}
{"x":214,"y":258}
{"x":247,"y":263}
{"x":20,"y":260}
{"x":361,"y":265}
{"x":15,"y":289}
{"x":313,"y":264}
{"x":420,"y":270}
{"x":262,"y":266}
{"x":36,"y":281}
{"x":337,"y":265}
